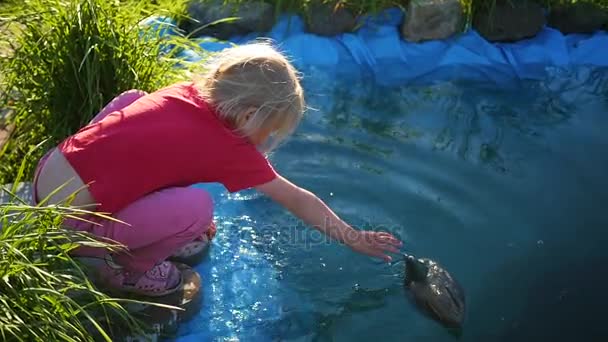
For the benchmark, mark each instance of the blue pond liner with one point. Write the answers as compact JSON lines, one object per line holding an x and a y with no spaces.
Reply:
{"x":376,"y":49}
{"x":240,"y":282}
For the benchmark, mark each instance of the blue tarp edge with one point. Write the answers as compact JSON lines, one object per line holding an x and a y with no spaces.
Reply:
{"x":377,"y":49}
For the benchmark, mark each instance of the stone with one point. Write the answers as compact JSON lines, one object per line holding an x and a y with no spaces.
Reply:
{"x":579,"y":17}
{"x":163,"y":322}
{"x":188,"y":298}
{"x":510,"y":21}
{"x":326,"y":20}
{"x":431,"y":19}
{"x":253,"y":16}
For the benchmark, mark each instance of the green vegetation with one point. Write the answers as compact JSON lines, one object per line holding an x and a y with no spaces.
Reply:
{"x":68,"y":58}
{"x":44,"y":294}
{"x":373,"y":6}
{"x":61,"y":62}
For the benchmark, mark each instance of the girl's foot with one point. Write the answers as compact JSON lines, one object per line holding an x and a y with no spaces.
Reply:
{"x":163,"y":279}
{"x":191,"y":253}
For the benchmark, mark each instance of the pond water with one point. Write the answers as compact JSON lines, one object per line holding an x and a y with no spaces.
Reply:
{"x":505,"y":187}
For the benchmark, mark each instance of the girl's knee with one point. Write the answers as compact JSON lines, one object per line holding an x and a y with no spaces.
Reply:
{"x":202,"y":203}
{"x":185,"y":211}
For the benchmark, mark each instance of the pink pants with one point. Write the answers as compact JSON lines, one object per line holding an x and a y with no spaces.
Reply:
{"x":160,"y":222}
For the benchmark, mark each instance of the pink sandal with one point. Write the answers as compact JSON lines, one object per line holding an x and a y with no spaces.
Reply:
{"x":191,"y":253}
{"x":163,"y":279}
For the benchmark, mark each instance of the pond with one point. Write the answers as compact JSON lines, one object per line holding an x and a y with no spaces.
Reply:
{"x":504,"y":186}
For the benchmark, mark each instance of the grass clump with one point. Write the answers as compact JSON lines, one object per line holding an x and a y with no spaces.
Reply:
{"x":68,"y":58}
{"x":61,"y":62}
{"x":44,"y":294}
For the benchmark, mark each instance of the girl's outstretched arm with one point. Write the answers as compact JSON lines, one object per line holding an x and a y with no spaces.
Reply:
{"x":310,"y":209}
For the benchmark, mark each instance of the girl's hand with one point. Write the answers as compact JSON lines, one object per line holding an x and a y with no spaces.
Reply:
{"x":308,"y":207}
{"x":375,"y":244}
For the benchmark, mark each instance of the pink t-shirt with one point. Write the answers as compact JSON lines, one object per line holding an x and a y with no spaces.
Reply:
{"x":168,"y":138}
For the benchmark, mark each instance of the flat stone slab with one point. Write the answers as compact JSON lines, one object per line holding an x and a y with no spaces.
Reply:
{"x":160,"y":322}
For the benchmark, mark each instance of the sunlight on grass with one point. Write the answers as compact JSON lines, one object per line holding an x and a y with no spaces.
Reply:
{"x":69,"y":59}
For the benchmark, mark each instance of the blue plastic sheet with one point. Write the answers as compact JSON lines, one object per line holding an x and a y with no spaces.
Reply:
{"x":377,"y":49}
{"x":235,"y":276}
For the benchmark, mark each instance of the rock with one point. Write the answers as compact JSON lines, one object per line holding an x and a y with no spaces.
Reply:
{"x":254,"y":16}
{"x":579,"y":17}
{"x":509,"y":21}
{"x":328,"y":20}
{"x":188,"y":298}
{"x":163,"y":322}
{"x":431,"y":19}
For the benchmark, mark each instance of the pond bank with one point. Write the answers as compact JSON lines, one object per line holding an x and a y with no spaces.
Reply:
{"x":377,"y":49}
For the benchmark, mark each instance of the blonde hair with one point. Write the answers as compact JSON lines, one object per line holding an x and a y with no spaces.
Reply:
{"x":256,"y":76}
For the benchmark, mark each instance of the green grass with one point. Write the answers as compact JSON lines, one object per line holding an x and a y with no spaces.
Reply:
{"x":68,"y":58}
{"x":61,"y":62}
{"x":45,"y":295}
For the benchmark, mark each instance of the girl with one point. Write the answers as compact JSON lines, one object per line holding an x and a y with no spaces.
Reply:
{"x":139,"y":155}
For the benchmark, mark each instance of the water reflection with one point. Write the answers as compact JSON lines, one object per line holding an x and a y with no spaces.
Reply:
{"x":476,"y":124}
{"x":504,"y":187}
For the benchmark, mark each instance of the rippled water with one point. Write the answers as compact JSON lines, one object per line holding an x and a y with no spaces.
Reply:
{"x":506,"y":187}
